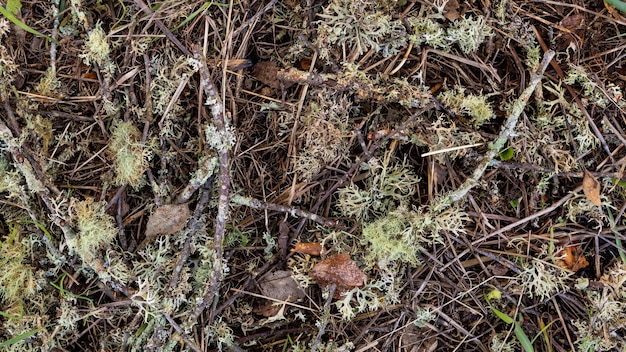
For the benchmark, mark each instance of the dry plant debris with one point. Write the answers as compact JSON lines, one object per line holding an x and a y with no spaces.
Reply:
{"x":431,"y":151}
{"x":279,"y":286}
{"x":338,"y":270}
{"x":167,"y":219}
{"x":591,"y":188}
{"x":312,"y":248}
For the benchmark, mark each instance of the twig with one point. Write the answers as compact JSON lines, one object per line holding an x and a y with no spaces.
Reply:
{"x":254,"y":18}
{"x":530,"y":217}
{"x":324,"y":318}
{"x":193,"y":223}
{"x":508,"y":130}
{"x":360,"y":84}
{"x":217,"y":111}
{"x":293,"y":211}
{"x":460,"y":147}
{"x":162,"y":27}
{"x":206,"y":169}
{"x":182,"y":334}
{"x":120,"y":222}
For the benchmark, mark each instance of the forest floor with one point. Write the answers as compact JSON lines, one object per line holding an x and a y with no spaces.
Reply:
{"x":342,"y":175}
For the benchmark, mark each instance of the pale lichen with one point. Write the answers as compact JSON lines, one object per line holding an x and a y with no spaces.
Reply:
{"x":130,"y":156}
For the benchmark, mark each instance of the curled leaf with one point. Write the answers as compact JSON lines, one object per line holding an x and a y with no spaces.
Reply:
{"x":572,"y":258}
{"x":591,"y":188}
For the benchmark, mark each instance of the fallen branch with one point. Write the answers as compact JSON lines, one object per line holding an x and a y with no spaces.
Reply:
{"x":214,"y":102}
{"x":508,"y":130}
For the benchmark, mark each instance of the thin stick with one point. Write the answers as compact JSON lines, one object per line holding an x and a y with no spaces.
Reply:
{"x":216,"y":106}
{"x":142,"y":5}
{"x":293,"y":211}
{"x":434,"y":152}
{"x":530,"y":217}
{"x":193,"y":227}
{"x":508,"y":130}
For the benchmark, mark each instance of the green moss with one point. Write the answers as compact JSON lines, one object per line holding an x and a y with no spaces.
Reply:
{"x":95,"y":229}
{"x":17,"y":279}
{"x":131,"y":159}
{"x":462,"y":102}
{"x":400,"y":234}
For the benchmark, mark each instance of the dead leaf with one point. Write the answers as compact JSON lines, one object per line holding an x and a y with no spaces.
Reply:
{"x":451,"y":10}
{"x":414,"y":339}
{"x":572,"y":258}
{"x":267,"y":73}
{"x":572,"y":22}
{"x":338,"y":270}
{"x":312,"y":248}
{"x":167,"y":220}
{"x":591,"y":188}
{"x":278,"y":285}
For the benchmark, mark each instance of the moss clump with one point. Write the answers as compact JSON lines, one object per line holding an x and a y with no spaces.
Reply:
{"x":390,"y":186}
{"x":402,"y":233}
{"x":97,"y":49}
{"x":17,"y":280}
{"x":10,"y":179}
{"x":461,"y":102}
{"x":361,"y":25}
{"x":325,"y":128}
{"x":131,"y":159}
{"x":469,"y":33}
{"x":95,"y":229}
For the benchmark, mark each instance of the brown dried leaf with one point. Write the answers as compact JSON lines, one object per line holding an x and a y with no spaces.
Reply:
{"x":451,"y":10}
{"x":572,"y":258}
{"x":572,"y":22}
{"x":278,"y":285}
{"x":312,"y":248}
{"x":267,"y":73}
{"x":591,"y":188}
{"x":338,"y":270}
{"x":167,"y":220}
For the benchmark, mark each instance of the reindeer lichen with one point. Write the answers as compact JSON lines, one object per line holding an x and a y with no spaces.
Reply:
{"x":17,"y":278}
{"x":462,"y":102}
{"x":95,"y":229}
{"x":131,"y":158}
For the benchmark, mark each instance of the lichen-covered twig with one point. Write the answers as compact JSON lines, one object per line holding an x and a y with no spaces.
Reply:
{"x":364,"y":87}
{"x":293,"y":211}
{"x":193,"y":223}
{"x":216,"y":106}
{"x":206,"y":167}
{"x":324,"y":319}
{"x":508,"y":130}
